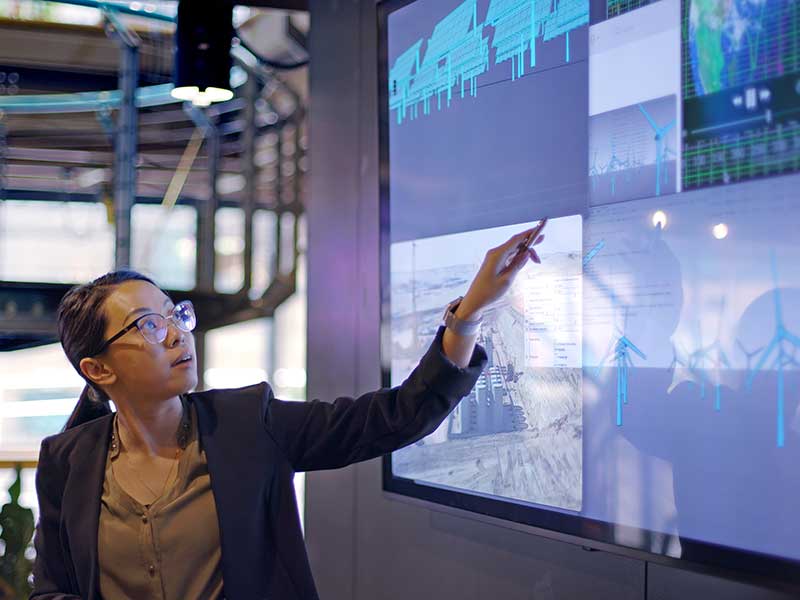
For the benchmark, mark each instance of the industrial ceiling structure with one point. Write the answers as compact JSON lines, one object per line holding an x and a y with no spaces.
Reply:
{"x":85,"y":116}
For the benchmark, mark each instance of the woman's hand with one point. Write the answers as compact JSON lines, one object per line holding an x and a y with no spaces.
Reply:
{"x":496,"y":275}
{"x":494,"y":278}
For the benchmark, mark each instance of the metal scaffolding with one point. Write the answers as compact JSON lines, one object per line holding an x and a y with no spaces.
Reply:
{"x":231,"y":135}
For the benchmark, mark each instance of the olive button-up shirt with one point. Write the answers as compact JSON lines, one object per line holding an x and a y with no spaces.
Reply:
{"x":169,"y":550}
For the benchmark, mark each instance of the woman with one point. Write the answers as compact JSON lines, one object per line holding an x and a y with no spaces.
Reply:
{"x":181,"y":495}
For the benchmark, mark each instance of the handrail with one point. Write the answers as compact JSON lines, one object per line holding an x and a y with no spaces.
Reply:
{"x":120,"y":8}
{"x":154,"y":95}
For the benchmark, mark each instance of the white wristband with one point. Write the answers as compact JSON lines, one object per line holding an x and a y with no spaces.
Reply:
{"x":460,"y":326}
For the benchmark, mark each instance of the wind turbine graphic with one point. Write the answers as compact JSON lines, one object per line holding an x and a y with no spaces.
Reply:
{"x":614,"y":164}
{"x":748,"y":355}
{"x":716,"y":355}
{"x":666,"y":154}
{"x":622,"y":359}
{"x":679,"y":368}
{"x":777,"y":348}
{"x":660,"y":133}
{"x":602,"y":287}
{"x":594,"y":172}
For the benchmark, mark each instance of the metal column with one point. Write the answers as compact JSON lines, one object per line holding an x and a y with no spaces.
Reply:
{"x":207,"y":210}
{"x":125,"y":142}
{"x":279,"y":210}
{"x":3,"y":148}
{"x":248,"y":158}
{"x":200,"y":356}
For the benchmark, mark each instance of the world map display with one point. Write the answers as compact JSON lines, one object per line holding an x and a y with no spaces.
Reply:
{"x":736,"y":42}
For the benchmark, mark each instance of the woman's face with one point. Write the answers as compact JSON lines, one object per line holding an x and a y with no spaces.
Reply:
{"x":140,"y":367}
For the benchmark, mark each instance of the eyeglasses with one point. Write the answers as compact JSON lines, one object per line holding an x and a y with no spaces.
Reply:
{"x":153,"y":326}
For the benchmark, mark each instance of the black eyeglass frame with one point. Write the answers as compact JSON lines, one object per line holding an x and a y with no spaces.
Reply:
{"x":135,"y":323}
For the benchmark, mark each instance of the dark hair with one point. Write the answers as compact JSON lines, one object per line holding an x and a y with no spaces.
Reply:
{"x":81,"y":327}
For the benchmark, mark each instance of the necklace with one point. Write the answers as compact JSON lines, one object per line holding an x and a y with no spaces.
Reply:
{"x":182,"y":438}
{"x":175,"y":461}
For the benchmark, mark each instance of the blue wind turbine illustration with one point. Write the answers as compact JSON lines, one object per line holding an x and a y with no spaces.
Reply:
{"x":660,"y":134}
{"x":748,"y":354}
{"x":624,"y":362}
{"x":622,"y":348}
{"x":715,"y":355}
{"x":778,"y":352}
{"x":679,"y":367}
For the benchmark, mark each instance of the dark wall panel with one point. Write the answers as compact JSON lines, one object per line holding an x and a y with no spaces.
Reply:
{"x":666,"y":583}
{"x":332,"y":275}
{"x":410,"y":551}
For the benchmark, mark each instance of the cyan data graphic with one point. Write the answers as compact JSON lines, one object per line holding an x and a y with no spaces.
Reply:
{"x":517,"y":24}
{"x":455,"y":53}
{"x":458,"y":51}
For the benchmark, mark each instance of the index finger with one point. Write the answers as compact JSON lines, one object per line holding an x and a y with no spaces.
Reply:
{"x":527,"y":238}
{"x":517,"y":239}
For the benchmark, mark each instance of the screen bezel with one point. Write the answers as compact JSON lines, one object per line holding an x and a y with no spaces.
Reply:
{"x":594,"y":534}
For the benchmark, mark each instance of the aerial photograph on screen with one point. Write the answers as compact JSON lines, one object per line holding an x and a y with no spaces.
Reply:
{"x":518,"y":435}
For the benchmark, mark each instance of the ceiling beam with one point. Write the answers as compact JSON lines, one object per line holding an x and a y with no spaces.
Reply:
{"x":282,"y":4}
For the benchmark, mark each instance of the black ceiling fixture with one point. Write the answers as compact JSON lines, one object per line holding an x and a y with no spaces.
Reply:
{"x":203,"y":35}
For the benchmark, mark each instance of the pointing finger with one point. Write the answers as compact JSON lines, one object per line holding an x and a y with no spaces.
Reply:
{"x":517,"y":239}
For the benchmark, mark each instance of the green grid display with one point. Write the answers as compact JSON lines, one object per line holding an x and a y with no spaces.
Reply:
{"x":782,"y":156}
{"x":771,"y":43}
{"x":614,"y":8}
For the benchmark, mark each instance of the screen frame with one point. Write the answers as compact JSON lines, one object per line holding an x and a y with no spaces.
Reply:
{"x":744,"y":565}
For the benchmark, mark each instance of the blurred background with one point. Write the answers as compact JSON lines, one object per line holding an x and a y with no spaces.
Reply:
{"x":101,"y":167}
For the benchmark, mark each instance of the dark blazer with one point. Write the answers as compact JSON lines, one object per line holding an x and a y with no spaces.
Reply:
{"x":254,"y":444}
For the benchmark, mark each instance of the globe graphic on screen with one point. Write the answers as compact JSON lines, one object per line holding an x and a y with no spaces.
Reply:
{"x":727,"y":41}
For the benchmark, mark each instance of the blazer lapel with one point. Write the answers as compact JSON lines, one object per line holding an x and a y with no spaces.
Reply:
{"x":233,"y":438}
{"x":81,"y":505}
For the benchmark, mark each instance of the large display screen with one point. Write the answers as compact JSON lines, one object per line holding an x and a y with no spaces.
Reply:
{"x":643,"y":383}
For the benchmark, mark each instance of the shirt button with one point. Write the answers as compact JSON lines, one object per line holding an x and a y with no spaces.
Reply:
{"x":144,"y":519}
{"x":152,"y":570}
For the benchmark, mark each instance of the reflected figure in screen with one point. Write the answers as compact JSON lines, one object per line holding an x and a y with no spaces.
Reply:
{"x":719,"y":463}
{"x":631,"y":476}
{"x":732,"y":483}
{"x":180,"y":495}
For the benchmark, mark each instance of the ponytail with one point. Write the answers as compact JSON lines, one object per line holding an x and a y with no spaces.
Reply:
{"x":92,"y":404}
{"x":81,"y":328}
